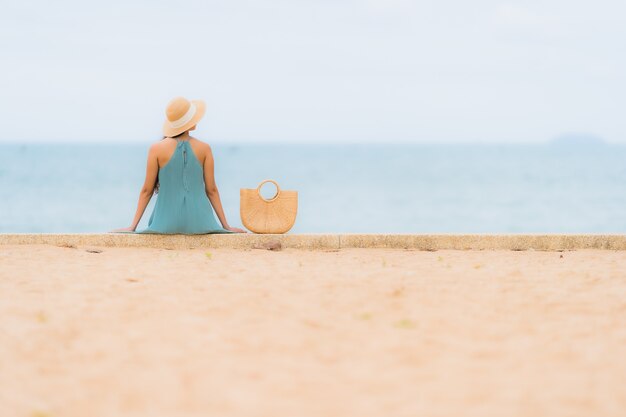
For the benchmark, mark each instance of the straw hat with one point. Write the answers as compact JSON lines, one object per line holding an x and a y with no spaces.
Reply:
{"x":182,"y":114}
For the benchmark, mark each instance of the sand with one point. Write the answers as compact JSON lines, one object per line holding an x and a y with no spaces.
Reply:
{"x":355,"y":332}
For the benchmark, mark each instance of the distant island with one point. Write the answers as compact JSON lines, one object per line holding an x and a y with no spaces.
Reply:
{"x":578,"y":140}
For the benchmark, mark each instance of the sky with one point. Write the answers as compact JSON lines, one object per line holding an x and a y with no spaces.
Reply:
{"x":314,"y":70}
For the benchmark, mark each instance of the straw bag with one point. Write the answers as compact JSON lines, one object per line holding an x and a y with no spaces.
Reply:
{"x":275,"y":215}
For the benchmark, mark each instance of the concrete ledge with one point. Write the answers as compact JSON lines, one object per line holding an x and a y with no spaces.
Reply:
{"x":486,"y":242}
{"x":232,"y":241}
{"x":546,"y":242}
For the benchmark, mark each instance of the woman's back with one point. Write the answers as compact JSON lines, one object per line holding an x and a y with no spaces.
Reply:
{"x":167,"y":148}
{"x":182,"y":204}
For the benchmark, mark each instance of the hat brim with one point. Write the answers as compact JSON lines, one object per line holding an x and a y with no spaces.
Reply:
{"x":169,"y":131}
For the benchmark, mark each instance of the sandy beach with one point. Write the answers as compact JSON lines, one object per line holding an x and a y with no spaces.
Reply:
{"x":103,"y":331}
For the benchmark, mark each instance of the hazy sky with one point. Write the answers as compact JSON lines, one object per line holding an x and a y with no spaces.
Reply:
{"x":314,"y":70}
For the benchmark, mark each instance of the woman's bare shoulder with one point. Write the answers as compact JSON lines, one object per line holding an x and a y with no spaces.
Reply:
{"x":201,"y":145}
{"x":201,"y":149}
{"x":161,"y":143}
{"x":162,"y":149}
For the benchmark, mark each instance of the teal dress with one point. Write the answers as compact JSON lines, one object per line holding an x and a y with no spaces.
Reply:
{"x":182,"y":204}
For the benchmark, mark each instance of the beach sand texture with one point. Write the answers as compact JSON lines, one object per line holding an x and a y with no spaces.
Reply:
{"x":350,"y":332}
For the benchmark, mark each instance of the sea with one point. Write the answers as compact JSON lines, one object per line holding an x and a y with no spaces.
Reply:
{"x":342,"y":188}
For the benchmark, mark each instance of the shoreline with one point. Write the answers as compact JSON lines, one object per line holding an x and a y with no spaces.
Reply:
{"x":314,"y":241}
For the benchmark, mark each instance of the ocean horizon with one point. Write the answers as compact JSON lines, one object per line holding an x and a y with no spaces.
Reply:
{"x":344,"y":188}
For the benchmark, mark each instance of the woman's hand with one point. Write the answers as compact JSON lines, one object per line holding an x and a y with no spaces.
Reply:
{"x":125,"y":229}
{"x":235,"y":229}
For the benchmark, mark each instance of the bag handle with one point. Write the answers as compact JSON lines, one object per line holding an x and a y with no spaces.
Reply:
{"x":258,"y":190}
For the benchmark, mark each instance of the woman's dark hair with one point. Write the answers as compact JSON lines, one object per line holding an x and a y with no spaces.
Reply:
{"x":156,"y":184}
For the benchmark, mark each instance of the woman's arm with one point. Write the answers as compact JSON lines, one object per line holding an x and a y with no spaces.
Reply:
{"x":152,"y":170}
{"x":212,"y":191}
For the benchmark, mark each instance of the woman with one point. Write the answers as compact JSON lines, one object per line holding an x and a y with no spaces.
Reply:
{"x":180,"y":170}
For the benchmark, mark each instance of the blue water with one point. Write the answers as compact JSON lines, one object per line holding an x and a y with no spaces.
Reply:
{"x":342,"y":188}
